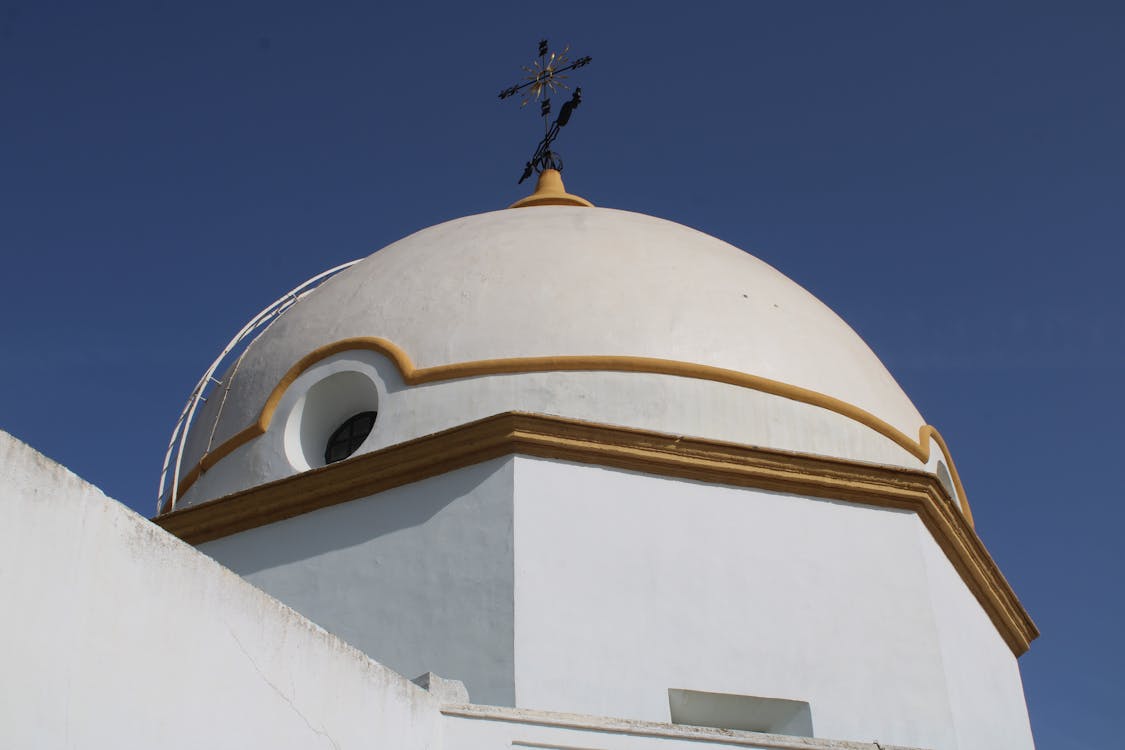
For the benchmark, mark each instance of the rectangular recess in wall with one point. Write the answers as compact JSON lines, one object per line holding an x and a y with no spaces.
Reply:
{"x":749,"y":713}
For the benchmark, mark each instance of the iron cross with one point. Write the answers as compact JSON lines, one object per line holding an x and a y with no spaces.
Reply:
{"x":547,"y":75}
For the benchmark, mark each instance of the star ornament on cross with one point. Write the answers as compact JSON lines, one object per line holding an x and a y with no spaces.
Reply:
{"x":547,"y":75}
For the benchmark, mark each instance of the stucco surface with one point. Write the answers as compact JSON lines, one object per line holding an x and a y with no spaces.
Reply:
{"x":418,"y":577}
{"x":116,"y":634}
{"x":985,"y":687}
{"x":629,"y":585}
{"x":549,"y":585}
{"x":567,"y":281}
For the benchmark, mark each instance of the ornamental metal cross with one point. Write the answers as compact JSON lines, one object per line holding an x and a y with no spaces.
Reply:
{"x":547,"y":75}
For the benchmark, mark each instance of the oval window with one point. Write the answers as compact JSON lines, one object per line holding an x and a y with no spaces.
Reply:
{"x":349,"y":436}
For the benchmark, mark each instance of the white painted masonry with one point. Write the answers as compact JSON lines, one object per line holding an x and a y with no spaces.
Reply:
{"x":985,"y":689}
{"x":628,"y":585}
{"x":547,"y":585}
{"x":128,"y":638}
{"x":418,"y":577}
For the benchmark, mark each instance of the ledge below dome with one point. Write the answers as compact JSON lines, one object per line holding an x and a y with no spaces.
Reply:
{"x":641,"y":451}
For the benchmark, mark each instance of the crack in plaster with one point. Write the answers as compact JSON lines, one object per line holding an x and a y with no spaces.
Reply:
{"x":280,"y":693}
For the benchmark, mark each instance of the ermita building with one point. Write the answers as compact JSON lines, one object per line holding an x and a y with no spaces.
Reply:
{"x":549,"y":477}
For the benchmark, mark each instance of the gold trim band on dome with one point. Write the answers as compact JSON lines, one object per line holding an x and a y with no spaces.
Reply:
{"x":631,"y":449}
{"x":412,"y":375}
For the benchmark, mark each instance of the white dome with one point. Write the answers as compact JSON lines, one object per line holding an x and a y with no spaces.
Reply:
{"x":745,"y":354}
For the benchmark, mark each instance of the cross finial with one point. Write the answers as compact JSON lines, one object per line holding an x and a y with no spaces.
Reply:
{"x":547,"y":75}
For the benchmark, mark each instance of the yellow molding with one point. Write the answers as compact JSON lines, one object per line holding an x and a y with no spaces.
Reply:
{"x":412,"y":375}
{"x":549,"y":191}
{"x":632,"y":449}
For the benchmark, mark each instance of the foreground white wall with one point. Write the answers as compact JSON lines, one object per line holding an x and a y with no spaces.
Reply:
{"x":116,"y":634}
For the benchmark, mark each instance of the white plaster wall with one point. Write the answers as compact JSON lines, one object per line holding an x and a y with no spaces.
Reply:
{"x":680,"y":406}
{"x":983,"y":677}
{"x":418,"y":577}
{"x":118,"y":635}
{"x":628,"y":585}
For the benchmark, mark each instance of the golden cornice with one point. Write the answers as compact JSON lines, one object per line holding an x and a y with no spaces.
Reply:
{"x":631,"y":449}
{"x":412,"y":375}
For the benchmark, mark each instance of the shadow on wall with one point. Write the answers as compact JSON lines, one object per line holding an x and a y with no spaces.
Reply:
{"x":420,"y":577}
{"x":340,"y":527}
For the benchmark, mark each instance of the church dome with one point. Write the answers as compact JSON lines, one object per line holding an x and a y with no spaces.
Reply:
{"x":589,"y":313}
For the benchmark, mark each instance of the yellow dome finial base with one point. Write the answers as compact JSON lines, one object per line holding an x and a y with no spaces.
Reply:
{"x":549,"y":191}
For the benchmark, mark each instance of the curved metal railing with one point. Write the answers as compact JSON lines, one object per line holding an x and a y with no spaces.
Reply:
{"x":178,"y":440}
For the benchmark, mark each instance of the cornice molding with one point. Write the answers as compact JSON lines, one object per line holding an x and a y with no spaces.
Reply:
{"x":698,"y":459}
{"x":411,"y":375}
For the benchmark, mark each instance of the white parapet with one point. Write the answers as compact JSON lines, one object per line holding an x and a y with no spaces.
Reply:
{"x":117,"y":634}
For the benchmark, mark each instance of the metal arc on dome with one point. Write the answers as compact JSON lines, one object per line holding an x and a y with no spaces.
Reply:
{"x":178,"y":441}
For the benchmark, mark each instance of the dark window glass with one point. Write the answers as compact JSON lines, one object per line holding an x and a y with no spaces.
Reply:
{"x":349,"y":436}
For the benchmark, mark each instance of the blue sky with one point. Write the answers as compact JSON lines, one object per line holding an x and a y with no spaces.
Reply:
{"x":950,"y":179}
